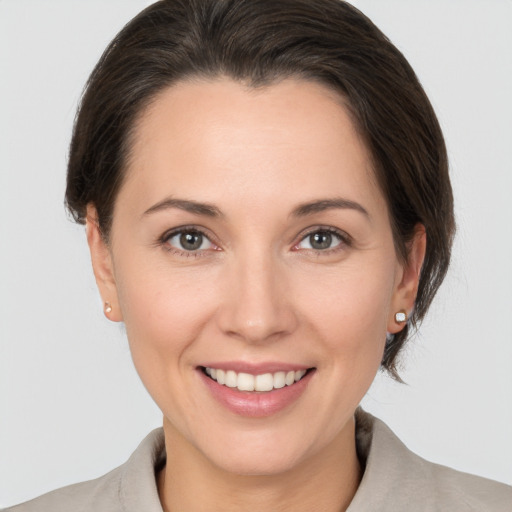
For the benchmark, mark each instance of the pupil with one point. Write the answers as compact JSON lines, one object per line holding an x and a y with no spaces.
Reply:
{"x":191,"y":241}
{"x":320,"y":240}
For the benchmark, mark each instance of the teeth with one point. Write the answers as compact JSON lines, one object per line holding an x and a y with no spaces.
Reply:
{"x":279,"y":380}
{"x":248,"y":382}
{"x":299,"y":375}
{"x":264,"y":382}
{"x":231,"y":379}
{"x":245,"y":382}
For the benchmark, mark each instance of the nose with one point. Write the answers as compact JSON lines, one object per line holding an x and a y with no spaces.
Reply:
{"x":257,"y":305}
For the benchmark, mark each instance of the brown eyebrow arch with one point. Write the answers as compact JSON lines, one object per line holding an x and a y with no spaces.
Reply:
{"x":328,"y":204}
{"x":187,"y":205}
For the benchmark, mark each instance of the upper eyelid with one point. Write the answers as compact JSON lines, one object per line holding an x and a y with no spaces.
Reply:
{"x":187,"y":229}
{"x":330,"y":229}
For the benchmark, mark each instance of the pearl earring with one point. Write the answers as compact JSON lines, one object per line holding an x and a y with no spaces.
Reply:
{"x":108,"y":307}
{"x":401,"y":317}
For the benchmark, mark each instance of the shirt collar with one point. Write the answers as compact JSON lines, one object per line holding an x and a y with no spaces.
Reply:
{"x":380,"y":452}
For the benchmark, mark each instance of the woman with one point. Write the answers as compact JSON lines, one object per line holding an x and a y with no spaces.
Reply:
{"x":265,"y":191}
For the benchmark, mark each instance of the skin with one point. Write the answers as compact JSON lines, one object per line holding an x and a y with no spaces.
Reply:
{"x":259,"y":291}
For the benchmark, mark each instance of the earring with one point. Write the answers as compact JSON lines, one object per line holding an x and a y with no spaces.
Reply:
{"x":108,"y":307}
{"x":401,"y":317}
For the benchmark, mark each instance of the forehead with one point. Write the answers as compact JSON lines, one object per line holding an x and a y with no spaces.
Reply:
{"x":292,"y":138}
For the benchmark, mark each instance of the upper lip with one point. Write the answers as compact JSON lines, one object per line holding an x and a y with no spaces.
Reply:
{"x":255,"y":368}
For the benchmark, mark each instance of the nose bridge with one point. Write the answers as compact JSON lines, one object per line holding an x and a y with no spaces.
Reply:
{"x":257,"y":307}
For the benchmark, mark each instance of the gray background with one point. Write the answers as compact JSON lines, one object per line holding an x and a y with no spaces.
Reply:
{"x":71,"y":405}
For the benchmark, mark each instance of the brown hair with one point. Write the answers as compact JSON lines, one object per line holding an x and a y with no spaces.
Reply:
{"x":260,"y":42}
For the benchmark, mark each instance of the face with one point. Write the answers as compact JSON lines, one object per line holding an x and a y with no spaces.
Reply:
{"x":251,"y":249}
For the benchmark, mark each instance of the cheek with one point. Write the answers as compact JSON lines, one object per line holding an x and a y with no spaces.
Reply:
{"x":164,"y":312}
{"x":350,"y":309}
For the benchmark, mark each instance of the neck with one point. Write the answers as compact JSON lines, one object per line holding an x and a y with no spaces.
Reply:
{"x":326,"y":481}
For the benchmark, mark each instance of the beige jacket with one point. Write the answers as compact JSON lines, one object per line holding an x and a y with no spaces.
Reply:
{"x":395,"y":480}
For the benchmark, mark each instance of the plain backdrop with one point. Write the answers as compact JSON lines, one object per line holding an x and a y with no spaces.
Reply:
{"x":71,"y":404}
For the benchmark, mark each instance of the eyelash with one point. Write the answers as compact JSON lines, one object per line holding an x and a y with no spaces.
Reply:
{"x":344,"y":239}
{"x":164,"y":241}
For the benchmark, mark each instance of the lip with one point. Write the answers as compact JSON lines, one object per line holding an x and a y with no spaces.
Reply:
{"x":255,"y":404}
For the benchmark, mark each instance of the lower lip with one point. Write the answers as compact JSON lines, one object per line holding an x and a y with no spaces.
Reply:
{"x":253,"y":403}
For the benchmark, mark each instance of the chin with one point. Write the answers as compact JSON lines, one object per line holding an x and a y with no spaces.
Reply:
{"x":256,"y":454}
{"x":257,"y":464}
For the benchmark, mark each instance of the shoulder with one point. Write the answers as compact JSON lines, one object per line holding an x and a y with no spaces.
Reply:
{"x":100,"y":495}
{"x":397,"y":479}
{"x":131,"y":486}
{"x":468,"y":492}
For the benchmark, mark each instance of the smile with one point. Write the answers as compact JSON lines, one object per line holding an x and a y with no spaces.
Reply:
{"x":247,"y":382}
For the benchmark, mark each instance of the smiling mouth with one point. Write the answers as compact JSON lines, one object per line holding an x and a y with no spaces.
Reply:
{"x":261,"y":383}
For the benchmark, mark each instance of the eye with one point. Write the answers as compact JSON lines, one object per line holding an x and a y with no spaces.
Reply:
{"x":189,"y":241}
{"x":320,"y":240}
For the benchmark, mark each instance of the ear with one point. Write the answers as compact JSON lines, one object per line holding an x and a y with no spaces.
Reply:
{"x":102,"y":265}
{"x":406,"y":288}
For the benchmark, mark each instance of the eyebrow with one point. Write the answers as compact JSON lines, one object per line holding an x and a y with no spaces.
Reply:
{"x":322,"y":205}
{"x":187,"y":205}
{"x":303,"y":210}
